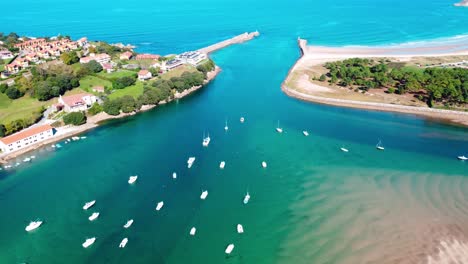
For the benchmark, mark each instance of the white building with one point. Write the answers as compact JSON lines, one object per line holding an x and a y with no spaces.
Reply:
{"x":172,"y":64}
{"x":6,"y":54}
{"x":76,"y":102}
{"x":26,"y":138}
{"x":192,"y":57}
{"x":101,"y":58}
{"x":144,"y":75}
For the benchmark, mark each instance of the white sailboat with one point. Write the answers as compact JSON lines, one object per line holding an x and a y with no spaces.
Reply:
{"x":88,"y":242}
{"x":203,"y":195}
{"x":128,"y":224}
{"x":462,"y":158}
{"x":379,"y":145}
{"x":33,"y":225}
{"x":222,"y":164}
{"x":279,"y":129}
{"x":226,"y":126}
{"x":306,"y":133}
{"x":247,"y":198}
{"x":190,"y":162}
{"x":229,"y":249}
{"x":242,"y":119}
{"x":240,"y":229}
{"x":206,"y":141}
{"x":193,"y":231}
{"x":123,"y":243}
{"x":132,"y":179}
{"x":264,"y":164}
{"x":93,"y":216}
{"x":159,"y":205}
{"x":174,"y":175}
{"x":344,"y":149}
{"x":89,"y":205}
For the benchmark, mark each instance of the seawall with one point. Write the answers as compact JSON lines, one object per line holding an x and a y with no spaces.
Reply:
{"x":235,"y":40}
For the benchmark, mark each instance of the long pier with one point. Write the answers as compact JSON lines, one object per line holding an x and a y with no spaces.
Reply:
{"x":235,"y":40}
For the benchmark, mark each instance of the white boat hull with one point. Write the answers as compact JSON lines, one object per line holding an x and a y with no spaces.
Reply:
{"x":229,"y":249}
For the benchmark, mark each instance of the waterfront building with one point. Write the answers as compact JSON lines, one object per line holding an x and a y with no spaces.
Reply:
{"x":192,"y":57}
{"x":100,"y":58}
{"x":26,"y":137}
{"x":76,"y":102}
{"x":172,"y":64}
{"x":126,"y":55}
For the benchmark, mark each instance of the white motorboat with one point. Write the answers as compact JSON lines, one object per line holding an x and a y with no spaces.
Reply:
{"x":174,"y":175}
{"x":229,"y":249}
{"x":379,"y":146}
{"x":89,"y":242}
{"x":123,"y":243}
{"x":279,"y":129}
{"x":159,"y":205}
{"x":247,"y":198}
{"x":222,"y":164}
{"x":203,"y":195}
{"x":190,"y":162}
{"x":240,"y":229}
{"x":33,"y":157}
{"x":89,"y":205}
{"x":58,"y":145}
{"x":226,"y":126}
{"x":132,"y":179}
{"x":264,"y":164}
{"x":33,"y":225}
{"x":306,"y":133}
{"x":242,"y":119}
{"x":75,"y":138}
{"x":206,"y":141}
{"x":93,"y":216}
{"x":128,"y":224}
{"x":27,"y":160}
{"x":83,"y":137}
{"x":462,"y":158}
{"x":68,"y":140}
{"x":344,"y":149}
{"x":193,"y":231}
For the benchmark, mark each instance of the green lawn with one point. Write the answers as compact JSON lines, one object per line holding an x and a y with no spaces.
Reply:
{"x":117,"y":74}
{"x":134,"y":90}
{"x":21,"y":108}
{"x":177,"y":72}
{"x":88,"y":82}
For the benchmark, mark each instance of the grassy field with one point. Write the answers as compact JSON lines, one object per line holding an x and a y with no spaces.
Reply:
{"x":88,"y":82}
{"x":21,"y":108}
{"x":178,"y":71}
{"x":117,"y":74}
{"x":134,"y":90}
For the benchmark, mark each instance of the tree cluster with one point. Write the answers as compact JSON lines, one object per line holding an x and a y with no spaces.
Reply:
{"x":445,"y":85}
{"x":122,"y":82}
{"x":206,"y":67}
{"x":19,"y":124}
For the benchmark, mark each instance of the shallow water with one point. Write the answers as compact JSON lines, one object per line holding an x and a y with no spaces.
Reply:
{"x":313,"y":204}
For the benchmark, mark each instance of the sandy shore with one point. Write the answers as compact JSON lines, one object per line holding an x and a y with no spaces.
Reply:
{"x":94,"y":121}
{"x":313,"y":56}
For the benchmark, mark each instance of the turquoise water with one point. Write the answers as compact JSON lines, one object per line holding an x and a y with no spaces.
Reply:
{"x":313,"y":204}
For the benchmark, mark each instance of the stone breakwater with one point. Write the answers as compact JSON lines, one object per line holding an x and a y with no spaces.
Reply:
{"x":235,"y":40}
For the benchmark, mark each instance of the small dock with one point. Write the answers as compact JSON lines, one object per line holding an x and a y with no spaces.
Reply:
{"x":235,"y":40}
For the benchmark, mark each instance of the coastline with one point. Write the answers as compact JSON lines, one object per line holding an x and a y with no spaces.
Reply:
{"x":312,"y":56}
{"x":96,"y":120}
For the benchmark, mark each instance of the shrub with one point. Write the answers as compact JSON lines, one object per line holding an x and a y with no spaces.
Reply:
{"x":75,"y":118}
{"x":13,"y":93}
{"x":95,"y":109}
{"x":123,"y":82}
{"x":391,"y":90}
{"x":322,"y":78}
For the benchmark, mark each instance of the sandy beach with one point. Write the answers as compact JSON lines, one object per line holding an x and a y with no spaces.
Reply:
{"x":298,"y":85}
{"x":94,"y":121}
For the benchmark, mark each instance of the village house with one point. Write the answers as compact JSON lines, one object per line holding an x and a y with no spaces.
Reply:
{"x":144,"y":75}
{"x":32,"y":57}
{"x":28,"y":43}
{"x":126,"y":55}
{"x":100,"y":58}
{"x":107,"y":67}
{"x":13,"y":68}
{"x":76,"y":102}
{"x":26,"y":138}
{"x":82,"y":41}
{"x":6,"y":54}
{"x":147,"y":57}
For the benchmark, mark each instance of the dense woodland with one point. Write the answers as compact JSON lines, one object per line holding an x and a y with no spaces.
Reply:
{"x":448,"y":86}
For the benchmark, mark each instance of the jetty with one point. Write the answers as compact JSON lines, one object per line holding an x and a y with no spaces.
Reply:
{"x":235,"y":40}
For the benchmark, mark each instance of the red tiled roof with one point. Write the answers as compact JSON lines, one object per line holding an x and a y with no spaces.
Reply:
{"x":25,"y":133}
{"x":143,"y":72}
{"x":76,"y":99}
